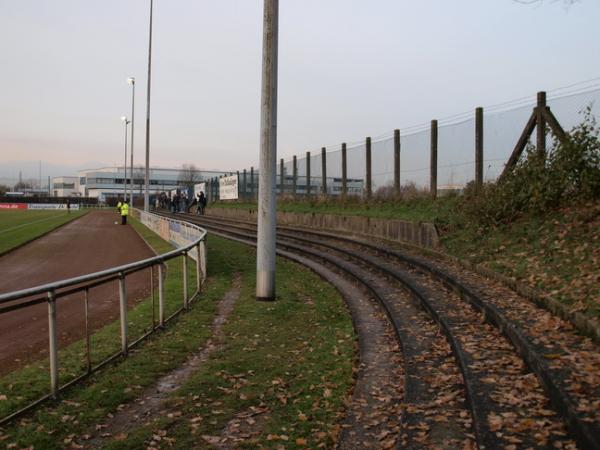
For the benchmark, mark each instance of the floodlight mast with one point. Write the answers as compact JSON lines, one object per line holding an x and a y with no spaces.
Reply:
{"x":267,"y":200}
{"x":131,"y":81}
{"x":147,"y":174}
{"x":125,"y":122}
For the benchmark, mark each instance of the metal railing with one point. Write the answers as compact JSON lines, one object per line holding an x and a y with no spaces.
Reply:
{"x":52,"y":293}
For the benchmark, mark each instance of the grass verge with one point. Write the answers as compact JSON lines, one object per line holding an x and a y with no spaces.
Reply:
{"x":19,"y":227}
{"x":296,"y":355}
{"x":420,"y":209}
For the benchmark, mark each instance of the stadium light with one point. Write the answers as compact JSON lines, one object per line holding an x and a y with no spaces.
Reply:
{"x":131,"y":81}
{"x":126,"y":122}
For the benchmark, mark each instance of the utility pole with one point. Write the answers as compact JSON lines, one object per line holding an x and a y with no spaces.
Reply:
{"x":131,"y":81}
{"x":267,"y":200}
{"x":147,"y":176}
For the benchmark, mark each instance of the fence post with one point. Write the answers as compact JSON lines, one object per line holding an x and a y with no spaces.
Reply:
{"x":369,"y":188}
{"x":295,"y":182}
{"x":397,"y":162}
{"x":185,"y":281}
{"x":123,"y":313}
{"x":252,"y":183}
{"x":433,"y":161}
{"x":281,"y":179}
{"x":245,"y":191}
{"x":307,"y":174}
{"x":541,"y":125}
{"x":161,"y":295}
{"x":478,"y":148}
{"x":53,"y":345}
{"x":344,"y":171}
{"x":237,"y":173}
{"x":324,"y":171}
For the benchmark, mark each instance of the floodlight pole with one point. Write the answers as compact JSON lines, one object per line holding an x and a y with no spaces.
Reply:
{"x":126,"y":122}
{"x":147,"y":176}
{"x":131,"y":81}
{"x":267,"y":219}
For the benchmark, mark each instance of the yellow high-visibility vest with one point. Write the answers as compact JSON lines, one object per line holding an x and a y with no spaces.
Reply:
{"x":124,"y":209}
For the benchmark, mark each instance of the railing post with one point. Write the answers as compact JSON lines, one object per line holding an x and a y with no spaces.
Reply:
{"x":123,"y":313}
{"x":281,"y":179}
{"x":295,"y":175}
{"x":308,"y":174}
{"x":433,"y":159}
{"x":324,"y":171}
{"x":397,"y":163}
{"x":198,"y":269}
{"x":541,"y":125}
{"x":478,"y":148}
{"x":152,"y":296}
{"x":53,"y":344}
{"x":369,"y":187}
{"x":203,"y":258}
{"x":185,"y":281}
{"x":88,"y":350}
{"x":344,"y":171}
{"x":161,"y":296}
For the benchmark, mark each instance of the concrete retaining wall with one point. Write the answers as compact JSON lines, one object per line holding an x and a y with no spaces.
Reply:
{"x":421,"y":234}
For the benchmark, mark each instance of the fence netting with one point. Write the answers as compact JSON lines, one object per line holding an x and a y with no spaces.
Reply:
{"x":503,"y":124}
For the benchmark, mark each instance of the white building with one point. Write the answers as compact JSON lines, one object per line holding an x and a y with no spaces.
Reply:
{"x":108,"y":182}
{"x":64,"y":187}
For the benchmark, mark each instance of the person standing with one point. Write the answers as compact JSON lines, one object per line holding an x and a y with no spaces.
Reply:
{"x":201,"y":203}
{"x":68,"y":206}
{"x":124,"y":212}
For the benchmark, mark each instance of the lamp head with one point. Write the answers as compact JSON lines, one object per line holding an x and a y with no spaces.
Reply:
{"x":131,"y":80}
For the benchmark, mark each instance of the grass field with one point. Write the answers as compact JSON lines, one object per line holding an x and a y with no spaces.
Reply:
{"x":20,"y":226}
{"x":280,"y":357}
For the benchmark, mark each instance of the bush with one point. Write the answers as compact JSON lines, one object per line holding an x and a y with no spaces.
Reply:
{"x":570,"y":173}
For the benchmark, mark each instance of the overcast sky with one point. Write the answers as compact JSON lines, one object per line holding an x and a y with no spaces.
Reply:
{"x":348,"y":69}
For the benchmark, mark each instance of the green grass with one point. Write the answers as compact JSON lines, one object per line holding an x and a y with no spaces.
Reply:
{"x":292,"y":358}
{"x":416,"y":210}
{"x":21,"y":226}
{"x":264,"y":341}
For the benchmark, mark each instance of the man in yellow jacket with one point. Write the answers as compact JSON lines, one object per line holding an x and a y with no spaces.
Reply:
{"x":119,"y":204}
{"x":124,"y":212}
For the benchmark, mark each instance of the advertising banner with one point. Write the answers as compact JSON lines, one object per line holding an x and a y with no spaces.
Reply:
{"x":13,"y":205}
{"x":51,"y":206}
{"x":228,"y":188}
{"x":200,"y":187}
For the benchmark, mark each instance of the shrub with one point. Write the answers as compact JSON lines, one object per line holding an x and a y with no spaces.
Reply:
{"x":570,"y":173}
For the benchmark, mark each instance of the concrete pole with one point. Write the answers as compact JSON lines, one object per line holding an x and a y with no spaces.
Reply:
{"x":397,"y":163}
{"x":147,"y":174}
{"x":295,"y":176}
{"x":324,"y":171}
{"x":267,"y":200}
{"x":281,"y":179}
{"x":307,"y":174}
{"x":478,"y":148}
{"x":541,"y":125}
{"x":434,"y":158}
{"x":369,"y":185}
{"x":344,"y":171}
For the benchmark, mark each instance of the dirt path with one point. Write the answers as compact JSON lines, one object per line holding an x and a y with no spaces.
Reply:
{"x":87,"y":245}
{"x":150,"y":402}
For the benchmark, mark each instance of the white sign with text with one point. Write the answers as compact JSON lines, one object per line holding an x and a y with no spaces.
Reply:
{"x":228,"y":188}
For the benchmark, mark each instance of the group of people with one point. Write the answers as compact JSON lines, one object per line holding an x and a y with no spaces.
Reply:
{"x":181,"y":202}
{"x":123,"y":211}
